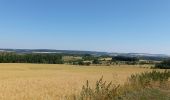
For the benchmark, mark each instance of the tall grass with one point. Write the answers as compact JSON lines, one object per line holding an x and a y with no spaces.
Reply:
{"x":138,"y":87}
{"x":147,"y":79}
{"x":102,"y":91}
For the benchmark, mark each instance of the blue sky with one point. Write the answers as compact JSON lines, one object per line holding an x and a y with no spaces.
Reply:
{"x":98,"y":25}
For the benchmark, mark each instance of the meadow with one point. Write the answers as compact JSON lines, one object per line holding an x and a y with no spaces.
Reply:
{"x":56,"y":82}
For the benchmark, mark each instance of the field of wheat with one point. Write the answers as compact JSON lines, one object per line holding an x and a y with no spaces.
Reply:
{"x":55,"y":82}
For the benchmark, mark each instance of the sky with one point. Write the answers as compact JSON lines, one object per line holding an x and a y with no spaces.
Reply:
{"x":138,"y":26}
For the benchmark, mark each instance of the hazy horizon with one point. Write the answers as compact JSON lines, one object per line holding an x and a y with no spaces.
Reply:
{"x":90,"y":25}
{"x":83,"y":50}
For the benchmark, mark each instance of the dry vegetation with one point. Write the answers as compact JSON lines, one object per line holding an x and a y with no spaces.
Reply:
{"x":55,"y":82}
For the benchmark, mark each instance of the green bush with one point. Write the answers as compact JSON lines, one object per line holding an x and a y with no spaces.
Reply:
{"x":163,"y":65}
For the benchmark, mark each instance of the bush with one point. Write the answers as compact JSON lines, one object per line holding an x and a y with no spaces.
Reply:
{"x":81,"y":62}
{"x":163,"y":65}
{"x":96,"y":61}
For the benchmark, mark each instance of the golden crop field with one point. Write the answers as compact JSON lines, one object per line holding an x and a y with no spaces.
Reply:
{"x":55,"y":82}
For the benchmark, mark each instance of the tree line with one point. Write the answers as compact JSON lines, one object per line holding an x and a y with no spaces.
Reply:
{"x":31,"y":58}
{"x":123,"y":58}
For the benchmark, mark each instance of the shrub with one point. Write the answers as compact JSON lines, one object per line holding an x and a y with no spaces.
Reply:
{"x":96,"y":61}
{"x":163,"y":65}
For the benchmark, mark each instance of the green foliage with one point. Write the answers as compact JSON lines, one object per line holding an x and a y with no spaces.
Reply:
{"x":30,"y":58}
{"x":163,"y":65}
{"x":96,"y":61}
{"x":88,"y":57}
{"x":123,"y":58}
{"x":81,"y":62}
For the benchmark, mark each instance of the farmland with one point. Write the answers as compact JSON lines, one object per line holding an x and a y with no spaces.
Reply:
{"x":53,"y":81}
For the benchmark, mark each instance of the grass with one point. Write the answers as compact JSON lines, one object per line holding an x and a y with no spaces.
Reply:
{"x":56,"y":82}
{"x":144,"y":86}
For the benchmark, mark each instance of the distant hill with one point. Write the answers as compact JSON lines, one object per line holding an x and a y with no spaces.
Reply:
{"x":143,"y":56}
{"x":138,"y":54}
{"x":22,"y":51}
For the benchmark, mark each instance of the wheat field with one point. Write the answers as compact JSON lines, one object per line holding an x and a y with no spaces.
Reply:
{"x":55,"y":82}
